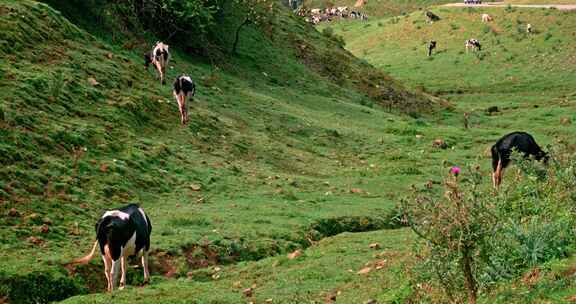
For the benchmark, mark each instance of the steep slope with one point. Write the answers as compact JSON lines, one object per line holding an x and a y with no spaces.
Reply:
{"x":273,"y":133}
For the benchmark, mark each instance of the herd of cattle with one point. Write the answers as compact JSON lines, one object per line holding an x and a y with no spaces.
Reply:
{"x":317,"y":15}
{"x":471,"y":43}
{"x":125,"y":231}
{"x":183,"y":86}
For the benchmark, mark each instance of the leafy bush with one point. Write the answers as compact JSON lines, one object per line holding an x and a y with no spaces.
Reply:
{"x":475,"y":238}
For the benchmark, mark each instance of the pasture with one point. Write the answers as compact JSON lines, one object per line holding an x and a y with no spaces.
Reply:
{"x":277,"y":156}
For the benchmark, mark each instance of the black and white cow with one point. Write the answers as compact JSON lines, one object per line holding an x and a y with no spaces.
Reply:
{"x":159,"y":58}
{"x":473,"y":43}
{"x":501,"y":151}
{"x":184,"y":87}
{"x":431,"y":47}
{"x":431,"y":16}
{"x":121,"y":233}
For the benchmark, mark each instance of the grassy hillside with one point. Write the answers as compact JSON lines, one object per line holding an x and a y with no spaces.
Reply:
{"x":290,"y":144}
{"x":278,"y":140}
{"x":532,"y":103}
{"x":528,"y":77}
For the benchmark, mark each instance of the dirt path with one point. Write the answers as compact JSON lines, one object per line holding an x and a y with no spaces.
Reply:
{"x":565,"y":7}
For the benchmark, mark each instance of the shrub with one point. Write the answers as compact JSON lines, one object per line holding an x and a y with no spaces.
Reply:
{"x":474,"y":238}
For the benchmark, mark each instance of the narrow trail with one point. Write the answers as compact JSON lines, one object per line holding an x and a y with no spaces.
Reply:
{"x":564,"y":7}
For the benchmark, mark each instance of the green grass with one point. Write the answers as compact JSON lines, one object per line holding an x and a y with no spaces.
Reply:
{"x":329,"y":268}
{"x":279,"y":137}
{"x":277,"y":140}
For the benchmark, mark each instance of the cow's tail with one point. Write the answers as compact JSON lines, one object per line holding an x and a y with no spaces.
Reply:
{"x":88,"y":257}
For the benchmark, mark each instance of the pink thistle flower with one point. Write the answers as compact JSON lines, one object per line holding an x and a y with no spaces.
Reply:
{"x":455,"y":170}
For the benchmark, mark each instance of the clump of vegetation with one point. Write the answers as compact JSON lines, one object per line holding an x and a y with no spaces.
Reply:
{"x":475,"y":238}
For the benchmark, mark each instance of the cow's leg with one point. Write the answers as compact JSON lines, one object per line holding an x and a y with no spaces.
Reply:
{"x":498,"y":173}
{"x":123,"y":276}
{"x":184,"y":110}
{"x":164,"y":74}
{"x":145,"y":266}
{"x":114,"y":273}
{"x":159,"y":70}
{"x":107,"y":268}
{"x":181,"y":107}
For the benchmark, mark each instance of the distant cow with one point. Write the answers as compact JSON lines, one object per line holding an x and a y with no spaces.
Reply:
{"x":159,"y":58}
{"x":486,"y":18}
{"x":121,"y":233}
{"x":184,"y":87}
{"x":501,"y":151}
{"x":473,"y":43}
{"x":431,"y":46}
{"x":529,"y":28}
{"x":431,"y":16}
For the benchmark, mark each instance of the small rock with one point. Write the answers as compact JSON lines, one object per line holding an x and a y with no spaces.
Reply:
{"x":364,"y":270}
{"x":92,"y":81}
{"x":374,"y":246}
{"x":109,"y":55}
{"x":248,"y":292}
{"x":295,"y":254}
{"x":44,"y":229}
{"x":492,"y":109}
{"x":330,"y":298}
{"x":356,"y":190}
{"x":13,"y":212}
{"x":419,"y":136}
{"x":195,"y":187}
{"x":439,"y":143}
{"x":34,"y":240}
{"x":381,"y":264}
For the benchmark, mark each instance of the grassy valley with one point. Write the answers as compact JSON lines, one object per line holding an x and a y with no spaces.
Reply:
{"x":293,"y":144}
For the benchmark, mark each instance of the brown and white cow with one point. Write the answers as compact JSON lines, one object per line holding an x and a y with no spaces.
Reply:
{"x":121,"y":233}
{"x":159,"y":58}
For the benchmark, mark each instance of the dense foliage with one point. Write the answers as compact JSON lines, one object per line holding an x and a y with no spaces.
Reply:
{"x":476,"y":237}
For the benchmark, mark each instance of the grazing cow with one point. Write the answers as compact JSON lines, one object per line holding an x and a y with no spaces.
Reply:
{"x":184,"y":87}
{"x":121,"y":233}
{"x":486,"y":18}
{"x":473,"y":43}
{"x":159,"y":58}
{"x":342,"y":9}
{"x":501,"y":151}
{"x":431,"y":46}
{"x":529,"y":28}
{"x":431,"y":16}
{"x":315,"y":11}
